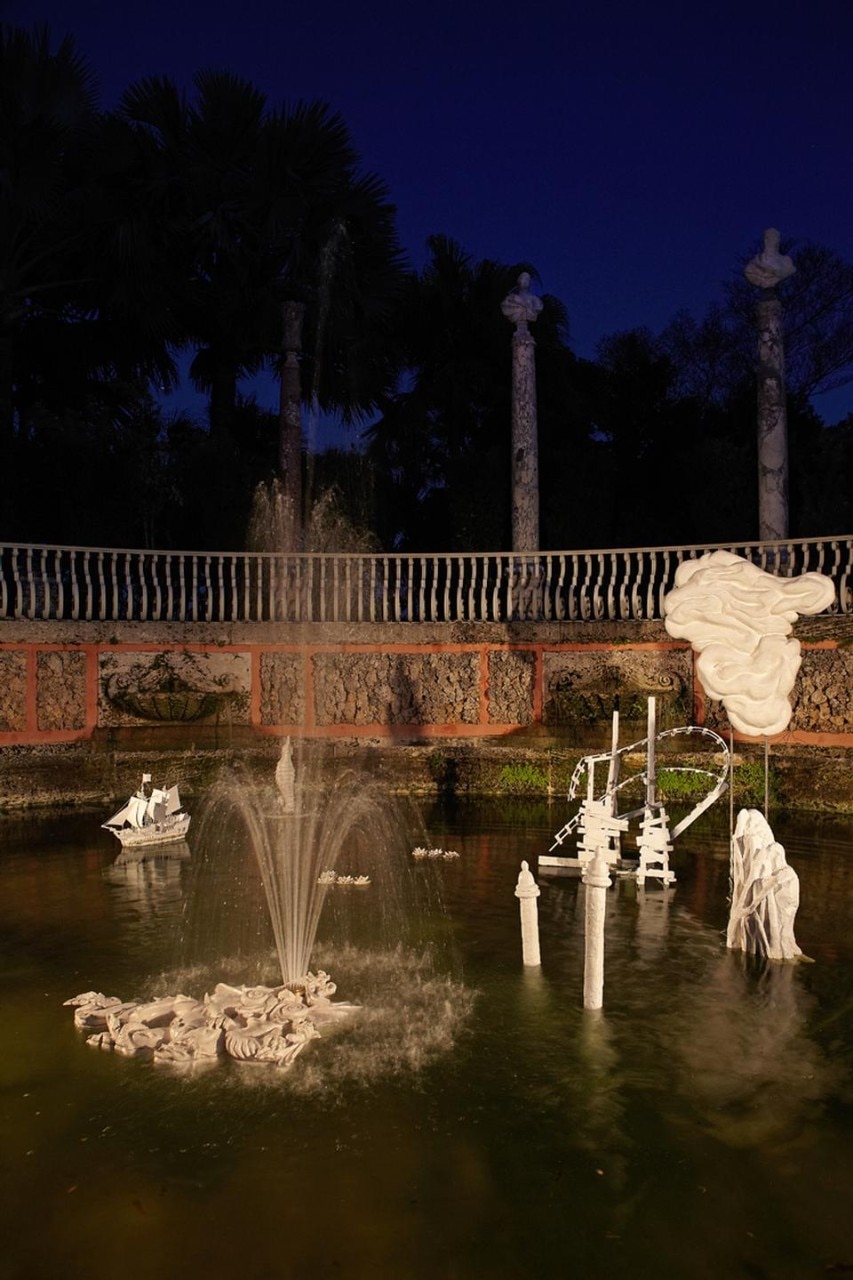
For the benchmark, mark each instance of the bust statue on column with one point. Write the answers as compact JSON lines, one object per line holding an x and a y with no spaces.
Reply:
{"x":521,"y":306}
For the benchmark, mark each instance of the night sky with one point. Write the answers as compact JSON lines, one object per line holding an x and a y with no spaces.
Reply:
{"x":633,"y":152}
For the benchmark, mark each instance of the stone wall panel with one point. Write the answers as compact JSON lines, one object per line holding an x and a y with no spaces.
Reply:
{"x":511,"y":675}
{"x":61,"y":690}
{"x":282,"y":689}
{"x":396,"y":688}
{"x":13,"y":691}
{"x":822,"y":700}
{"x":579,"y":686}
{"x":173,"y":686}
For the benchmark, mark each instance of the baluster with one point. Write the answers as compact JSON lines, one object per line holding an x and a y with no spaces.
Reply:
{"x":257,"y":614}
{"x":114,"y":609}
{"x":97,"y":611}
{"x":820,"y":558}
{"x":393,"y":602}
{"x":182,"y":588}
{"x":491,"y":588}
{"x":421,"y":607}
{"x":145,"y":567}
{"x":75,"y":585}
{"x":558,"y":587}
{"x":623,"y":578}
{"x":583,"y":572}
{"x":361,"y":576}
{"x":845,"y":597}
{"x":570,"y":591}
{"x":19,"y":579}
{"x":610,"y":593}
{"x":157,"y":589}
{"x":43,"y":595}
{"x":169,"y":573}
{"x":598,"y":589}
{"x":86,"y":585}
{"x":665,"y":582}
{"x":127,"y":578}
{"x":31,"y":586}
{"x":543,"y":567}
{"x":60,"y":584}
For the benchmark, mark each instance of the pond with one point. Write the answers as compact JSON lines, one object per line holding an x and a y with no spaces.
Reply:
{"x":698,"y":1128}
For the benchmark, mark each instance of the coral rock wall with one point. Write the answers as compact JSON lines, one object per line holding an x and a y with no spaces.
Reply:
{"x":198,"y":683}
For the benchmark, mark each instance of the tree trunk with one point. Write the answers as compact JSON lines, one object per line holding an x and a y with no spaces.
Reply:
{"x":290,"y":422}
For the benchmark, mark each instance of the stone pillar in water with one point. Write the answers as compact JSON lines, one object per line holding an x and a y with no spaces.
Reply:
{"x":527,"y":891}
{"x":597,"y":882}
{"x":766,"y":271}
{"x":522,"y":307}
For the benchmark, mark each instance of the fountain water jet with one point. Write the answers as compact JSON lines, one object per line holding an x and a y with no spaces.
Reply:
{"x":303,"y":831}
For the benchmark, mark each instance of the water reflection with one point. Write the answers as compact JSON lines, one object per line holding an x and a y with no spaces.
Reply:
{"x":745,"y":1055}
{"x":147,"y":884}
{"x":696,"y":1127}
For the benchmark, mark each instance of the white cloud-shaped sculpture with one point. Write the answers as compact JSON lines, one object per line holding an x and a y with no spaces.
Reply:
{"x":738,"y":619}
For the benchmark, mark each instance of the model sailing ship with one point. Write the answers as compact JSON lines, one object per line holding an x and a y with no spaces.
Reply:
{"x":149,"y":818}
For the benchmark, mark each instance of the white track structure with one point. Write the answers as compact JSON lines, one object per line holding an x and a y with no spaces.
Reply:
{"x":600,"y":826}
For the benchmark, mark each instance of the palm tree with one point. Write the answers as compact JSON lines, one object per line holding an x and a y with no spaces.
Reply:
{"x":339,"y":273}
{"x":195,"y":163}
{"x":47,"y":108}
{"x":284,"y":246}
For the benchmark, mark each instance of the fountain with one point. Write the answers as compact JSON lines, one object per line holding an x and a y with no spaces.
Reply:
{"x":297,"y":834}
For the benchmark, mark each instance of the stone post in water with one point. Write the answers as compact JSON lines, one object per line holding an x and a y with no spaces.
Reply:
{"x":527,"y":891}
{"x":766,"y":271}
{"x":596,"y":881}
{"x":522,"y":307}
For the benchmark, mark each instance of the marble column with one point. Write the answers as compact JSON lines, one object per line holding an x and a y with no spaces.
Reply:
{"x":766,"y":271}
{"x":522,"y":307}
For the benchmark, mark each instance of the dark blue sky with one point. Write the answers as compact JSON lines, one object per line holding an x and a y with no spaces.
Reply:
{"x":631,"y":151}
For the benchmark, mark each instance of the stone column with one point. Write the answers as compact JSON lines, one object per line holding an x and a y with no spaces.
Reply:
{"x":522,"y":307}
{"x":766,"y":271}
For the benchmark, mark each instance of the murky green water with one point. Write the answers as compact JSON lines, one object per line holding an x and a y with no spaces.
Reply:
{"x":701,"y":1128}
